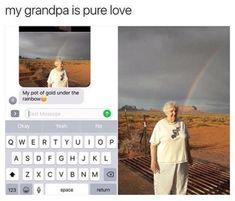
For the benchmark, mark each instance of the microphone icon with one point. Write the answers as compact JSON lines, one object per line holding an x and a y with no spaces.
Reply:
{"x":39,"y":189}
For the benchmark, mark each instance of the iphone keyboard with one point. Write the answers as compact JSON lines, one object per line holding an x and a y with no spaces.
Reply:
{"x":61,"y":157}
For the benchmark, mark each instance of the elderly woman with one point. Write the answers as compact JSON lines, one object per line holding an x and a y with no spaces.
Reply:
{"x":170,"y":153}
{"x":58,"y":76}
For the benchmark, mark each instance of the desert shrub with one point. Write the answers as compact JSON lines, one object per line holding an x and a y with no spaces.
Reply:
{"x":202,"y":124}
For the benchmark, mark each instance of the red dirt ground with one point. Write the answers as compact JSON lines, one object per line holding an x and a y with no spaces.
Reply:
{"x":211,"y":144}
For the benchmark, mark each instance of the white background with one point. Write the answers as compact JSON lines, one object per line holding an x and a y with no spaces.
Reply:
{"x":145,"y":13}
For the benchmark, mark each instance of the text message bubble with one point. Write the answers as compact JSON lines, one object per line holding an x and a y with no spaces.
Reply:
{"x":51,"y":96}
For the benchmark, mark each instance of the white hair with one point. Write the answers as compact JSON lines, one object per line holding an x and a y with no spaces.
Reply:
{"x":58,"y":60}
{"x":169,"y":104}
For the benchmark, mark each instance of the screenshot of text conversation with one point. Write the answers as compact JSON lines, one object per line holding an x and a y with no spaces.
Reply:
{"x":61,"y":110}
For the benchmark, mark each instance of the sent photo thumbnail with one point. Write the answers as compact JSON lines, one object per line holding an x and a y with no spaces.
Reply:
{"x":54,"y":56}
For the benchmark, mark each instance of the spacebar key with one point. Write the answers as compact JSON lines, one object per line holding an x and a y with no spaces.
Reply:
{"x":66,"y":189}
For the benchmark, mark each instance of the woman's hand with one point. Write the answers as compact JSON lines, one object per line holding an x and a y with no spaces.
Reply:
{"x":155,"y":167}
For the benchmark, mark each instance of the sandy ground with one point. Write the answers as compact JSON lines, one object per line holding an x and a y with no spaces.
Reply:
{"x":78,"y":71}
{"x":208,"y":143}
{"x":211,"y":144}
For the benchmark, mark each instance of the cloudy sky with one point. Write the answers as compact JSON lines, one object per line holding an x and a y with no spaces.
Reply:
{"x":68,"y":45}
{"x":187,"y":64}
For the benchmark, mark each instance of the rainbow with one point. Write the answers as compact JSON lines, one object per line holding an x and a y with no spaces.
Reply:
{"x":60,"y":51}
{"x":204,"y":68}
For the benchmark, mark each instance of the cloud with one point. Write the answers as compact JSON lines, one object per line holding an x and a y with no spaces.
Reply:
{"x":70,"y":45}
{"x":162,"y":63}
